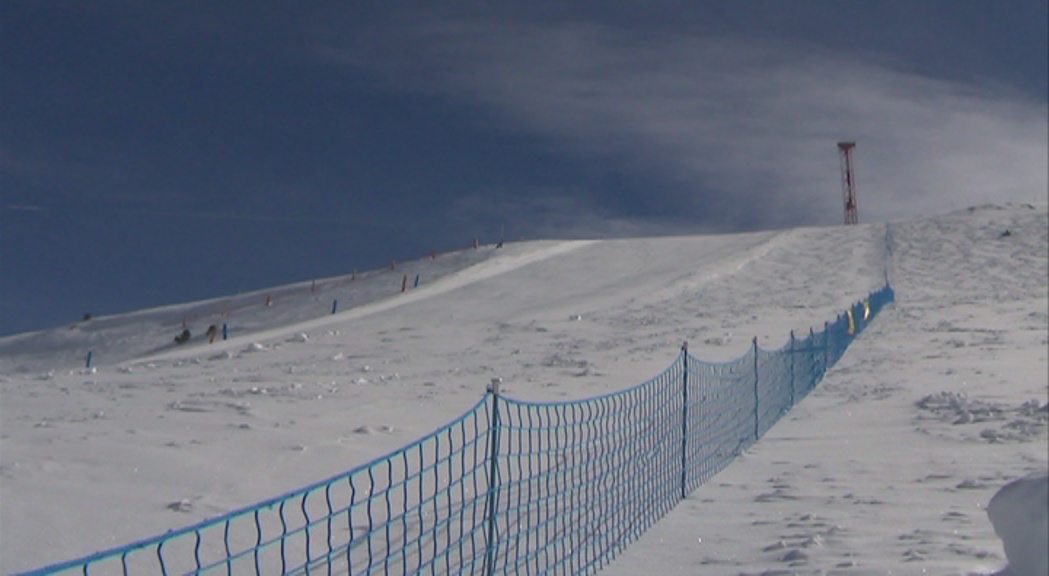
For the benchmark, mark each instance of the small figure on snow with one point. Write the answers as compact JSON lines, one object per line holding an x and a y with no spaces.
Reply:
{"x":183,"y":337}
{"x":213,"y":332}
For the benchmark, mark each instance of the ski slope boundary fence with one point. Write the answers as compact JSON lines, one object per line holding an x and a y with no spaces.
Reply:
{"x":512,"y":487}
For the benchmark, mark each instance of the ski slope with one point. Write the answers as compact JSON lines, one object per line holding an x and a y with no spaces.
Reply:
{"x":887,"y":467}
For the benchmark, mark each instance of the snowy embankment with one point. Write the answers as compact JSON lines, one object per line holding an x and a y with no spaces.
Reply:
{"x":1018,"y":512}
{"x":124,"y":337}
{"x":888,"y":467}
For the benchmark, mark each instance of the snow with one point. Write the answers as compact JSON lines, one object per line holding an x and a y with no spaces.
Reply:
{"x":891,"y":466}
{"x":1019,"y":515}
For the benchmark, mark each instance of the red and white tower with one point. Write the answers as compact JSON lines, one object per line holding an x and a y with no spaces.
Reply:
{"x":848,"y":181}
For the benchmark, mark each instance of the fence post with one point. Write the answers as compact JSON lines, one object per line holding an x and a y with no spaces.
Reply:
{"x":492,"y":498}
{"x":826,"y":347}
{"x":684,"y":421}
{"x":792,"y":394}
{"x":810,"y":355}
{"x":757,"y":426}
{"x":888,"y":250}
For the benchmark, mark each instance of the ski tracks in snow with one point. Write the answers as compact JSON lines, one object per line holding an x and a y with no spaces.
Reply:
{"x":477,"y":273}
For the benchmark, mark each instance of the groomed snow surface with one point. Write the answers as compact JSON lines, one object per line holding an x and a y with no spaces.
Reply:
{"x":920,"y":451}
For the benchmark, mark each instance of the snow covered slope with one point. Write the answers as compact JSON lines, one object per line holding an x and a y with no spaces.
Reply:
{"x":887,"y":467}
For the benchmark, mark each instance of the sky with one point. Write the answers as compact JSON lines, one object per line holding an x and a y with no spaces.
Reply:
{"x":152,"y":154}
{"x":892,"y":464}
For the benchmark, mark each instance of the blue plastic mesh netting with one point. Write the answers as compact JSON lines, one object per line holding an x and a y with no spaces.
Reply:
{"x":513,"y":487}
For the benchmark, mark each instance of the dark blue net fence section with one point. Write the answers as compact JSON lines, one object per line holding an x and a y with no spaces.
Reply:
{"x":513,"y":487}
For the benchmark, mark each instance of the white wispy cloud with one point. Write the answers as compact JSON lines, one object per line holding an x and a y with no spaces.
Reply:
{"x":741,"y":131}
{"x":528,"y":212}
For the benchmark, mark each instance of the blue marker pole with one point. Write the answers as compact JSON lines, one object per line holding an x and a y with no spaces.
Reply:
{"x":334,"y":305}
{"x":225,"y":331}
{"x":416,"y":281}
{"x":89,"y":355}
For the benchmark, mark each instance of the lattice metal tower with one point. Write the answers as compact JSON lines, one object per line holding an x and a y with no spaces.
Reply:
{"x":848,"y":181}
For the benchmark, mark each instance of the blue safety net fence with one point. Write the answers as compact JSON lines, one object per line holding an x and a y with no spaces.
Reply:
{"x":513,"y":487}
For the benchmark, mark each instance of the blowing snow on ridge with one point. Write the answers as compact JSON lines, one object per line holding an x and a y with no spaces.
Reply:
{"x":894,"y":464}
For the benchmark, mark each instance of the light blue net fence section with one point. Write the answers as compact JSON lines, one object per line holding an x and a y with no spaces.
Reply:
{"x":419,"y":509}
{"x":578,"y":480}
{"x":513,"y":487}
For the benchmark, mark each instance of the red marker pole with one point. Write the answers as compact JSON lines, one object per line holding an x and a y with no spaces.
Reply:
{"x":404,"y":283}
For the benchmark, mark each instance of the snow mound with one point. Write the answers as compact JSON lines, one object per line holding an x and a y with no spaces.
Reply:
{"x":1019,"y":513}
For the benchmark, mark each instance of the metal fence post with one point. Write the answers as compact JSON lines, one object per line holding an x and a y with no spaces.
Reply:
{"x":792,"y":368}
{"x":492,"y":498}
{"x":888,"y":250}
{"x":826,"y":346}
{"x":684,"y":420}
{"x":810,"y":355}
{"x":757,"y":421}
